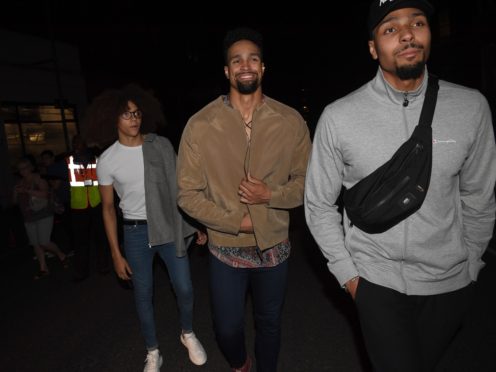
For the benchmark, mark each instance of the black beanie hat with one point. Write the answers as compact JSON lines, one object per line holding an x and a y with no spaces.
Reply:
{"x":381,"y":8}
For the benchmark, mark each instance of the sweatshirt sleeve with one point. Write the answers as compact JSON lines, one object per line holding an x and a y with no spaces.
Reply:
{"x":322,"y":188}
{"x":477,"y":180}
{"x":290,"y":195}
{"x":192,"y":185}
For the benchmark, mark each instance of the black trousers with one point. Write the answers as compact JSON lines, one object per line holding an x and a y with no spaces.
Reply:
{"x":88,"y":231}
{"x":62,"y":231}
{"x":409,"y":333}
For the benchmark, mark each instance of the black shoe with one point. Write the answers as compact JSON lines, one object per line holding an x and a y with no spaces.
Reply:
{"x":125,"y":284}
{"x":41,"y":274}
{"x":79,"y":278}
{"x":65,"y":262}
{"x":104,"y":271}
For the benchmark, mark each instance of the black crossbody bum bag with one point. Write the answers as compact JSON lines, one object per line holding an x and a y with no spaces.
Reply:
{"x":396,"y":189}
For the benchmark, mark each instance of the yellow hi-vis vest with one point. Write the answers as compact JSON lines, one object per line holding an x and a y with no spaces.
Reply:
{"x":84,"y":184}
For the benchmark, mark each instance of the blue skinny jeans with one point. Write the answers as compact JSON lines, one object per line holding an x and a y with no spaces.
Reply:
{"x":140,"y":258}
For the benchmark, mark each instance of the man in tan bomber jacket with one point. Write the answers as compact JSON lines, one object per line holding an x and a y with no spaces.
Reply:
{"x":241,"y":166}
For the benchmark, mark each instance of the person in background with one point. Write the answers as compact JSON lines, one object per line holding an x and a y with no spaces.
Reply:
{"x":86,"y":210}
{"x":55,"y":172}
{"x":412,"y":284}
{"x":47,"y":158}
{"x":141,"y":168}
{"x":241,"y":167}
{"x":33,"y":195}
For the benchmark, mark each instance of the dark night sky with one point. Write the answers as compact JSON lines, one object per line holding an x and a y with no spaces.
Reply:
{"x":313,"y":55}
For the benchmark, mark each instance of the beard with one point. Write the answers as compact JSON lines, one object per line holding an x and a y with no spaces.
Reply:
{"x":249,"y":87}
{"x":411,"y":71}
{"x":414,"y":71}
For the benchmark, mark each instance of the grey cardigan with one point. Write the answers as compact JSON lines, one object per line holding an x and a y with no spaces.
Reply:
{"x":165,"y":221}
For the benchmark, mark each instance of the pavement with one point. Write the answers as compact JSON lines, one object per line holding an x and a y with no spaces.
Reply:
{"x":54,"y":324}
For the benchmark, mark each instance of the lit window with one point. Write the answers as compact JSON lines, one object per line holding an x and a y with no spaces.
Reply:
{"x":33,"y":128}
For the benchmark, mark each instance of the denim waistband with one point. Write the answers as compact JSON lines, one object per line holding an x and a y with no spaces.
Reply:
{"x":134,"y":222}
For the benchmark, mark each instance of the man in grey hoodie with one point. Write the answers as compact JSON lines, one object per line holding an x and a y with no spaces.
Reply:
{"x":412,"y":284}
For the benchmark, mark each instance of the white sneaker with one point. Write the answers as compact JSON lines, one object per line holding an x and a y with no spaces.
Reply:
{"x":153,"y":361}
{"x":196,"y":352}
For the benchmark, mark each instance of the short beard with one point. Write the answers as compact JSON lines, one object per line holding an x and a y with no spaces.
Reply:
{"x":247,"y":88}
{"x":410,"y":72}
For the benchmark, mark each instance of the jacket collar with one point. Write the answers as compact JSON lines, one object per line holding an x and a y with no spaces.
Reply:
{"x":149,"y":137}
{"x":267,"y":105}
{"x":387,"y":92}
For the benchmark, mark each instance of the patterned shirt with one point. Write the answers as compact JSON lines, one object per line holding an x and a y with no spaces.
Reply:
{"x":252,"y":257}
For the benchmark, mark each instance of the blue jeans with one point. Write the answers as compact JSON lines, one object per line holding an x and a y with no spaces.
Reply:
{"x":228,"y":290}
{"x":140,"y":258}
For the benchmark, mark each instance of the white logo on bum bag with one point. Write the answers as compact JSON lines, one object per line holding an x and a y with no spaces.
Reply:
{"x":436,"y":141}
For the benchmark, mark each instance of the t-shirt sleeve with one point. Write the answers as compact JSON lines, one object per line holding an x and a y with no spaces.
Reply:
{"x":103,"y":172}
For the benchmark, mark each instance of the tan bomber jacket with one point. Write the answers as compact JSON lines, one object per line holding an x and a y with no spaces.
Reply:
{"x":214,"y":156}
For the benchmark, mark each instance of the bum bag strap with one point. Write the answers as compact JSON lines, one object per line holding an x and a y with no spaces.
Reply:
{"x":429,"y":102}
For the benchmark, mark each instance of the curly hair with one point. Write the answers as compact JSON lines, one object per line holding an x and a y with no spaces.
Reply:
{"x":242,"y":33}
{"x":102,"y":115}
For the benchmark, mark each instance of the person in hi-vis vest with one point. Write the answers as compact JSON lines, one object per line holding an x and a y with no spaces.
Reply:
{"x":86,"y":214}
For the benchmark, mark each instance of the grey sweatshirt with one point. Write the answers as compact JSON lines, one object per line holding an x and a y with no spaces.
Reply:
{"x":436,"y":250}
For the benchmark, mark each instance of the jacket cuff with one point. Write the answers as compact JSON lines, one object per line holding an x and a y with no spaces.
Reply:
{"x":276,"y":200}
{"x":233,"y":223}
{"x":343,"y":270}
{"x":473,"y":269}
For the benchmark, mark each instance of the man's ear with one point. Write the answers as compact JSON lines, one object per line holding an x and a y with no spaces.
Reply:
{"x":226,"y":72}
{"x":372,"y":50}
